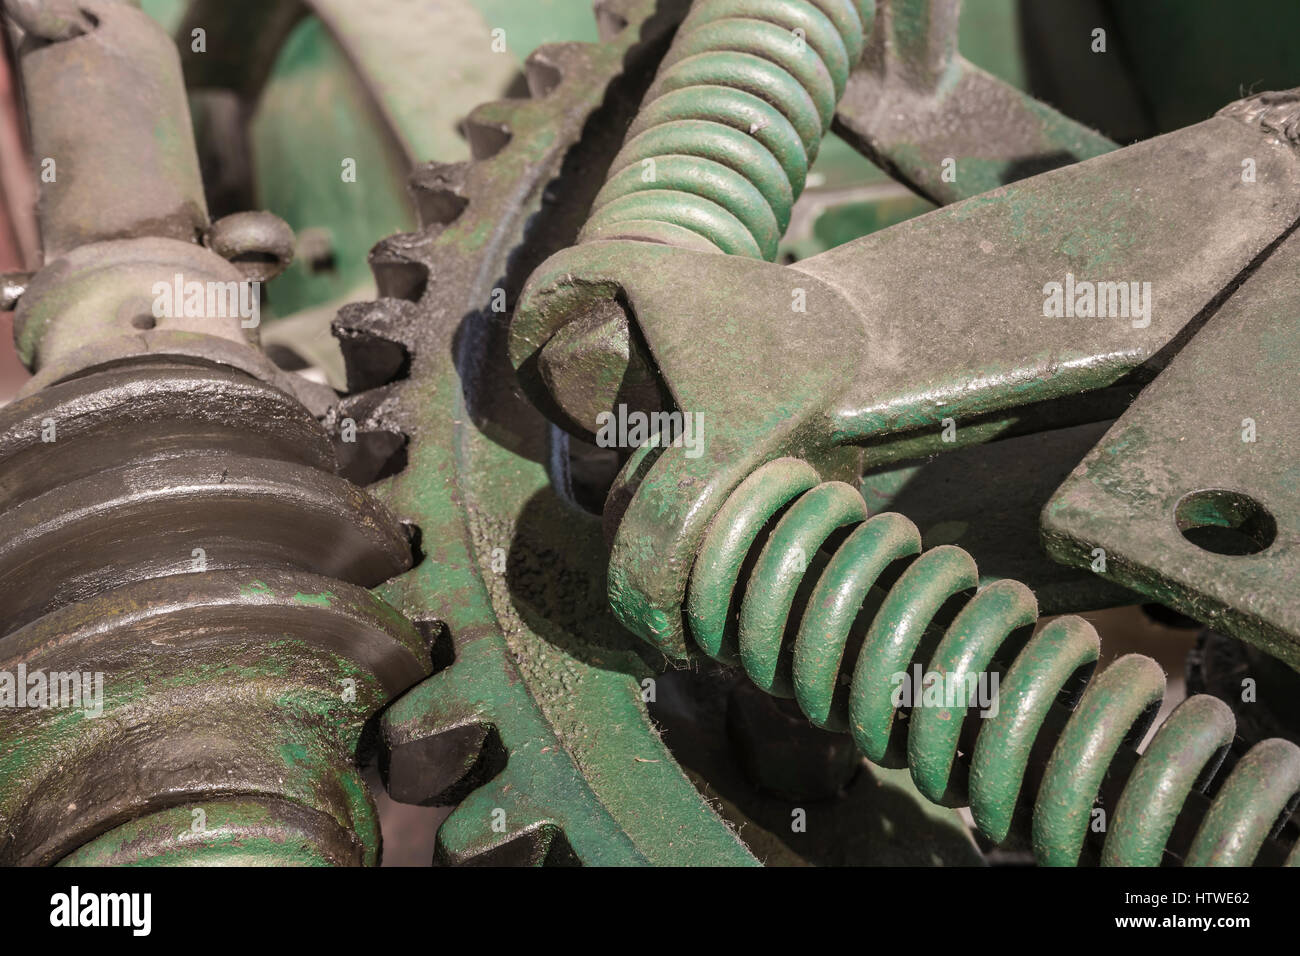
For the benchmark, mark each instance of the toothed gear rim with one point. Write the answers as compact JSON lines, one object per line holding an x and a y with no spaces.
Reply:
{"x":538,"y":724}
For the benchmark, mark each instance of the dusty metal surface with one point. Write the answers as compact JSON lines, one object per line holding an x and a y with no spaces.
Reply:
{"x":235,"y":697}
{"x":161,"y":478}
{"x":941,"y":125}
{"x":741,"y":543}
{"x":987,"y":499}
{"x":879,"y":361}
{"x":1194,"y":494}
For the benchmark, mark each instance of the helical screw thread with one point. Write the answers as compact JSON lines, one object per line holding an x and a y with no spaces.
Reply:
{"x":174,"y":537}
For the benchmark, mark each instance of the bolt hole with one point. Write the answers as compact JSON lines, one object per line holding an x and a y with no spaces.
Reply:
{"x":1225,"y":522}
{"x":144,"y":322}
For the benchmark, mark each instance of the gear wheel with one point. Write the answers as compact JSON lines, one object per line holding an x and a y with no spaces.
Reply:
{"x":430,"y":353}
{"x":537,"y":727}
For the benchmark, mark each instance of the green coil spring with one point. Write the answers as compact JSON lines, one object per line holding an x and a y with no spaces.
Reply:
{"x":721,"y":148}
{"x":1117,"y":707}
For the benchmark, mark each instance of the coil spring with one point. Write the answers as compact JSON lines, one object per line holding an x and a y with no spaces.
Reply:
{"x":721,"y":148}
{"x":1117,"y":707}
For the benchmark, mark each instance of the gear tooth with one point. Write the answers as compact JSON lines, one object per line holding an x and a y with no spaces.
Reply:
{"x":613,"y":16}
{"x":375,"y":409}
{"x":439,"y":742}
{"x":488,"y":127}
{"x":399,"y":265}
{"x":376,"y":339}
{"x":440,"y":752}
{"x":548,"y":65}
{"x":389,"y":319}
{"x":470,"y":835}
{"x":542,"y":844}
{"x":439,"y":192}
{"x":407,"y":246}
{"x":375,"y":446}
